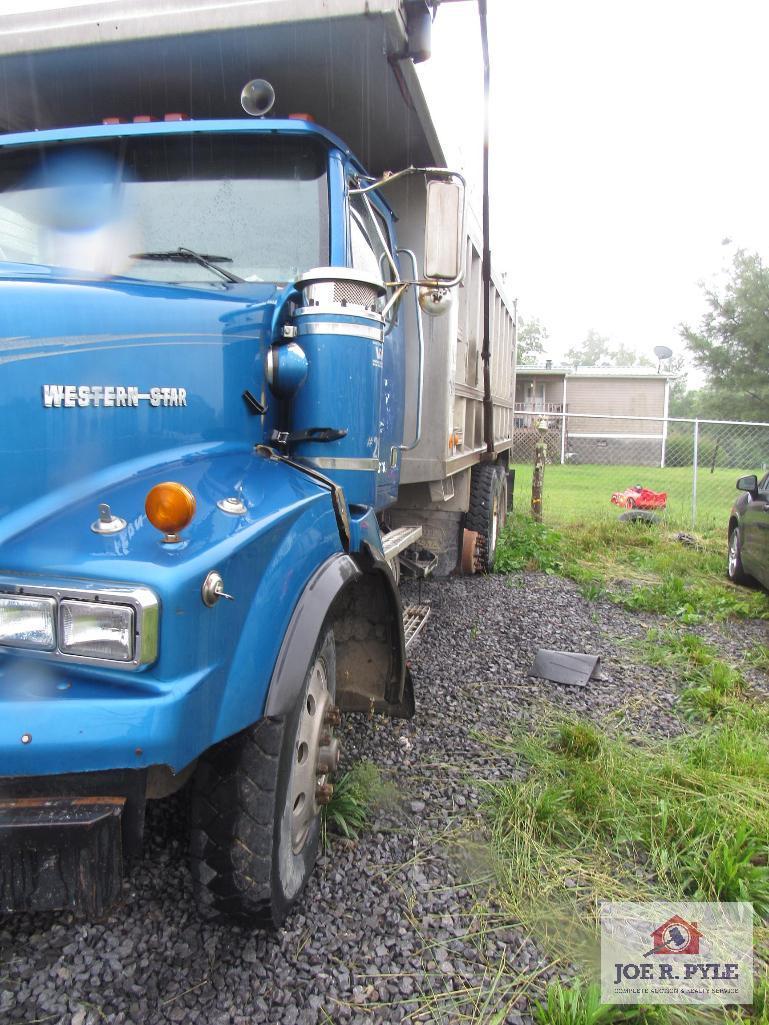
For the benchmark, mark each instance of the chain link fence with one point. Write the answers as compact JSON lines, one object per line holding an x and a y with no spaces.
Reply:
{"x":690,"y":466}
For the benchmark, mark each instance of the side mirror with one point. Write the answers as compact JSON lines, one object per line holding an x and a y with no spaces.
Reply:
{"x":444,"y":231}
{"x":749,"y":484}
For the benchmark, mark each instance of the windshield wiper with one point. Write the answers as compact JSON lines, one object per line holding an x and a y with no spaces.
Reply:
{"x":183,"y":255}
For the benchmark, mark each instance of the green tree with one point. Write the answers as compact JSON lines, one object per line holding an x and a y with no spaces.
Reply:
{"x":532,"y":338}
{"x":732,"y":343}
{"x":683,"y":402}
{"x":597,"y":351}
{"x":593,"y":352}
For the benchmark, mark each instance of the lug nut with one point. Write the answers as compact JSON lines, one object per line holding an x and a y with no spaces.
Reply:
{"x":333,"y":716}
{"x":328,"y":757}
{"x":323,"y":793}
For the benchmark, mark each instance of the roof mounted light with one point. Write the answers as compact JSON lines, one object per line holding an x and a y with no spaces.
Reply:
{"x":257,"y":97}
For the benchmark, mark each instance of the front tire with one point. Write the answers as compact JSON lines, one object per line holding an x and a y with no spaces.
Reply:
{"x":256,"y":798}
{"x":734,"y":569}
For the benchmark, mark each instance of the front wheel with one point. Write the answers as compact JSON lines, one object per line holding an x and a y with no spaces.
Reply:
{"x":734,"y":569}
{"x":256,"y":800}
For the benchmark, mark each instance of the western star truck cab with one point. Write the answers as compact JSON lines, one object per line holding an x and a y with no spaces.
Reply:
{"x":224,"y":428}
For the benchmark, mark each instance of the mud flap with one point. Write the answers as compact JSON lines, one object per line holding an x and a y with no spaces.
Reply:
{"x":60,"y":853}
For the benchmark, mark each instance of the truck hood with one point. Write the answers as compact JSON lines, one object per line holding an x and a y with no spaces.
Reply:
{"x":102,"y":379}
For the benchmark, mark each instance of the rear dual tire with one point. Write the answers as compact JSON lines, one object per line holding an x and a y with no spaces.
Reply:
{"x":255,"y":816}
{"x":488,"y":511}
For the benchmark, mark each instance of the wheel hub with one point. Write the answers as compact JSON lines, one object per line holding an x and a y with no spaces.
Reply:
{"x":733,"y":553}
{"x":316,"y":756}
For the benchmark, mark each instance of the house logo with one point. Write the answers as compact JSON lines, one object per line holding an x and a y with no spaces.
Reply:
{"x":676,"y":936}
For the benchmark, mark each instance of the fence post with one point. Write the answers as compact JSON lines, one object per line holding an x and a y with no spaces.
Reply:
{"x":695,"y":461}
{"x":563,"y":436}
{"x":540,"y":456}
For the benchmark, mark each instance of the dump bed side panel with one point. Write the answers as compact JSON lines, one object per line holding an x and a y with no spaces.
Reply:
{"x":452,"y":420}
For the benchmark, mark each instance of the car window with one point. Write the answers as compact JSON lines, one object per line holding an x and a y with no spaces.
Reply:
{"x":763,"y":484}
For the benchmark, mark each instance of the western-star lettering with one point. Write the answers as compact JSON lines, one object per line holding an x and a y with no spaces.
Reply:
{"x":73,"y":396}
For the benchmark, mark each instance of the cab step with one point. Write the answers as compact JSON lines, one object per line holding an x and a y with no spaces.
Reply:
{"x":394,"y":542}
{"x":414,"y":618}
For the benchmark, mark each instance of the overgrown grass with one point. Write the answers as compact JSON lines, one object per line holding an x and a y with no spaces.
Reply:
{"x":572,"y":1005}
{"x":639,"y":566}
{"x":580,"y":1004}
{"x":758,"y":657}
{"x":712,"y":689}
{"x":356,"y":793}
{"x":599,"y":817}
{"x":603,"y":817}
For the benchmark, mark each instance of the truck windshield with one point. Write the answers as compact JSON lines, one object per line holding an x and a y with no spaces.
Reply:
{"x":111,"y":206}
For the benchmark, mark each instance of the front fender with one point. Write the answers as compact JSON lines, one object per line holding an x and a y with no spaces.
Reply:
{"x":215,"y":664}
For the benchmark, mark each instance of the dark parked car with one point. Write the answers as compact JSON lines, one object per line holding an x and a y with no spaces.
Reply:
{"x":749,"y":532}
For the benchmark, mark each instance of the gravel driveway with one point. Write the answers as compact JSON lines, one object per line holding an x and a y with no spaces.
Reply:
{"x":386,"y":931}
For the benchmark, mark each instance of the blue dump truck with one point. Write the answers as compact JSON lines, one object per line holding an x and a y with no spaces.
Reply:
{"x":240,"y":391}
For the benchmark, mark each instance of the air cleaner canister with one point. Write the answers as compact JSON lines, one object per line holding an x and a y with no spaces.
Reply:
{"x":341,"y":331}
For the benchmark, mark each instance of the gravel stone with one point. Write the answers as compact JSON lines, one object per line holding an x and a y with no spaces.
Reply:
{"x":387,"y":921}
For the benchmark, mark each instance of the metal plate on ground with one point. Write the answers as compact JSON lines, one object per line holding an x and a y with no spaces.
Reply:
{"x":571,"y":667}
{"x":414,"y":618}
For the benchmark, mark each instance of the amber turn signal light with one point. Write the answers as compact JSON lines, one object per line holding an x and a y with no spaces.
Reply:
{"x":170,"y":507}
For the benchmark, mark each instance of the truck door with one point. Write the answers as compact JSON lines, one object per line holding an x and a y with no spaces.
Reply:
{"x":368,"y":230}
{"x":755,"y":534}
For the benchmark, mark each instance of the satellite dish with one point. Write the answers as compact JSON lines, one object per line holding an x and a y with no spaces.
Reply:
{"x":257,"y":97}
{"x":662,"y":352}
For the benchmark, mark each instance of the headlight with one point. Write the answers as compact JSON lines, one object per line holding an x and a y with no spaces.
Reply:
{"x":28,"y":622}
{"x":96,"y":630}
{"x":80,"y":621}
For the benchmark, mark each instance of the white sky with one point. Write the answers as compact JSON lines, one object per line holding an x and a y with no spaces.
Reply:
{"x":627,"y":141}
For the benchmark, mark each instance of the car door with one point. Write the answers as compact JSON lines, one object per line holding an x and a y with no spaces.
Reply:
{"x":755,"y":534}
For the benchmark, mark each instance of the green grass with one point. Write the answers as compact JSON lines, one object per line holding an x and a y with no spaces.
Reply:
{"x":582,"y":493}
{"x":757,"y":657}
{"x":641,"y":567}
{"x":601,"y":818}
{"x":573,"y":1005}
{"x":580,"y":1004}
{"x":356,"y":793}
